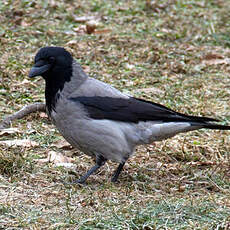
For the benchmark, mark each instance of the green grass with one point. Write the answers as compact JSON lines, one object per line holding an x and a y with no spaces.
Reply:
{"x":156,"y":50}
{"x":162,"y":215}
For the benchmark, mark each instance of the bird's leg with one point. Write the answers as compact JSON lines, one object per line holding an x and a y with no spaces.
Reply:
{"x":117,"y":172}
{"x":100,"y":160}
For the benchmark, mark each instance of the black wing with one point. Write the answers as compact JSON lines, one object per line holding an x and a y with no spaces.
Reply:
{"x":132,"y":110}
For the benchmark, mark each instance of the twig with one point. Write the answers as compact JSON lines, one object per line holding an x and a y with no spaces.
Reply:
{"x":36,"y":107}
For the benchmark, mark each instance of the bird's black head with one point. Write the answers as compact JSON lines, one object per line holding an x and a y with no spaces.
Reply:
{"x":50,"y":59}
{"x":54,"y":64}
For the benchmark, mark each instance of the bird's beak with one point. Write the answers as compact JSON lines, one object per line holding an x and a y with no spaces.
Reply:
{"x":38,"y":70}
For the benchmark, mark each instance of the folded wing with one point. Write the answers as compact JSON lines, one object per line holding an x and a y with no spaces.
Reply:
{"x":132,"y":110}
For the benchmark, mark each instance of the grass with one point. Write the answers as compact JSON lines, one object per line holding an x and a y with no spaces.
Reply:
{"x":172,"y":52}
{"x":163,"y":215}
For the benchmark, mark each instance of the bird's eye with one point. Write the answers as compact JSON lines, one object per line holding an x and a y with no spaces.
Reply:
{"x":51,"y":60}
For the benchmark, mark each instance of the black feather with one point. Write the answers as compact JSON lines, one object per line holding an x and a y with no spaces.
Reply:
{"x":132,"y":110}
{"x":58,"y":75}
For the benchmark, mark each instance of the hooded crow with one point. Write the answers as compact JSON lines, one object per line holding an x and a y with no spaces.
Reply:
{"x":100,"y":120}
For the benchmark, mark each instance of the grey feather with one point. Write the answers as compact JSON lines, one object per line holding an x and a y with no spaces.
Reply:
{"x":105,"y":139}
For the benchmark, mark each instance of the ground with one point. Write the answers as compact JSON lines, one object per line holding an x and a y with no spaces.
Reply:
{"x":174,"y":52}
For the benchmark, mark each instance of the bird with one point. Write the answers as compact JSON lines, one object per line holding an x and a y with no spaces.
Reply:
{"x":100,"y":120}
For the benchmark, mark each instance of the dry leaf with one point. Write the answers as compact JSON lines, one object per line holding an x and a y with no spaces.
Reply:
{"x":201,"y":163}
{"x":215,"y":59}
{"x":129,"y":66}
{"x":212,"y":56}
{"x":25,"y":82}
{"x":83,"y":18}
{"x":181,"y":188}
{"x":91,"y":26}
{"x":189,"y":47}
{"x":66,"y":165}
{"x":80,"y":30}
{"x":43,"y":115}
{"x":25,"y":24}
{"x":56,"y":158}
{"x":5,"y":132}
{"x":19,"y":143}
{"x":86,"y":68}
{"x":102,"y":31}
{"x":159,"y":165}
{"x":53,"y":4}
{"x":72,"y":42}
{"x":42,"y":161}
{"x":62,"y":144}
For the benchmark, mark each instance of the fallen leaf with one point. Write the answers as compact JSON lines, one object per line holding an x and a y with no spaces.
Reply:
{"x":80,"y":30}
{"x":202,"y":163}
{"x":42,"y":161}
{"x":181,"y":188}
{"x":215,"y":59}
{"x":66,"y":165}
{"x":19,"y":143}
{"x":83,"y":18}
{"x":129,"y":66}
{"x":25,"y":82}
{"x":91,"y":26}
{"x":43,"y":115}
{"x":56,"y":158}
{"x":189,"y":47}
{"x":62,"y":144}
{"x":86,"y":68}
{"x":159,"y":165}
{"x":102,"y":31}
{"x":25,"y":23}
{"x":212,"y":56}
{"x":5,"y":132}
{"x":53,"y":4}
{"x":164,"y":30}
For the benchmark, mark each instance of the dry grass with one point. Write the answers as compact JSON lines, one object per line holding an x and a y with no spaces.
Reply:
{"x":172,"y":52}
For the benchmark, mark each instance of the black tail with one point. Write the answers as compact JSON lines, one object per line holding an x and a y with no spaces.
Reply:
{"x":207,"y":125}
{"x":206,"y":122}
{"x":215,"y":126}
{"x":198,"y":119}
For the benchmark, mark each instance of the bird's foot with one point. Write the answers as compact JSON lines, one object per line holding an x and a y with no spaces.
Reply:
{"x":117,"y":172}
{"x":114,"y":179}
